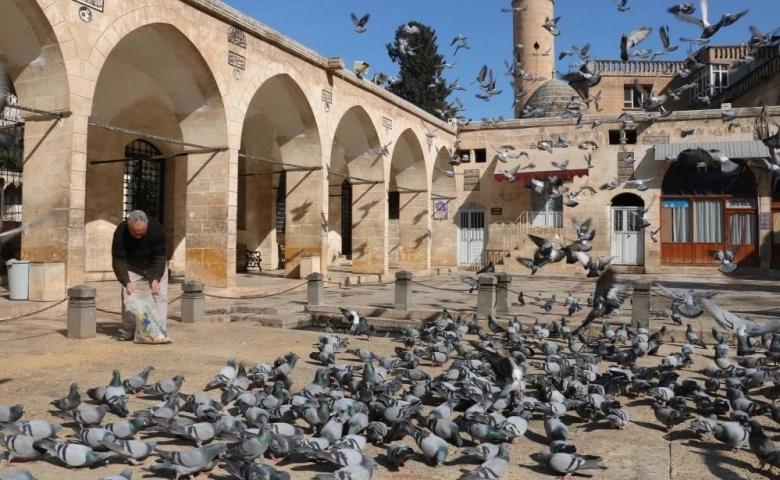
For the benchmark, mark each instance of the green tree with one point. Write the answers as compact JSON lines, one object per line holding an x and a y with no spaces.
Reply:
{"x":419,"y":60}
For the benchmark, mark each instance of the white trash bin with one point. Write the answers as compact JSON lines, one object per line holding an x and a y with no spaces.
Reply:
{"x":18,"y":279}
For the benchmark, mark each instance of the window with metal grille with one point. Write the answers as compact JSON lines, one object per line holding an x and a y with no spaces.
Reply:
{"x":393,"y":205}
{"x":281,"y":203}
{"x":143,"y":182}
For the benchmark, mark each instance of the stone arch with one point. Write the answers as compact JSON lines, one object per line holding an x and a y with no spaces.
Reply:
{"x":408,"y":189}
{"x":354,"y":156}
{"x":627,"y":199}
{"x":32,"y":51}
{"x":443,"y":199}
{"x":155,"y":80}
{"x":279,"y":132}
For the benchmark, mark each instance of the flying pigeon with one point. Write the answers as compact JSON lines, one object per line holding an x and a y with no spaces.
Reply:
{"x":360,"y":23}
{"x":628,"y":41}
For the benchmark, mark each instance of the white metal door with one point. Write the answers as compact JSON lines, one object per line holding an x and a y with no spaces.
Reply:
{"x":472,"y":237}
{"x":628,"y":241}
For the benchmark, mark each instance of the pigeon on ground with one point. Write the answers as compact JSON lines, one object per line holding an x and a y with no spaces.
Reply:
{"x":763,"y":447}
{"x":92,"y":436}
{"x":133,"y":451}
{"x":726,"y":259}
{"x":33,"y":428}
{"x":164,"y":387}
{"x":363,"y":471}
{"x":254,"y":471}
{"x":126,"y":474}
{"x":399,"y":453}
{"x":135,"y":383}
{"x":85,"y":417}
{"x":568,"y":463}
{"x":70,"y":401}
{"x":21,"y":447}
{"x":224,"y":376}
{"x":74,"y":455}
{"x":195,"y":460}
{"x":492,"y":468}
{"x":115,"y":396}
{"x":11,"y":413}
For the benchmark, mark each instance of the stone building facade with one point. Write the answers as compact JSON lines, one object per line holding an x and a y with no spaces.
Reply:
{"x":240,"y":139}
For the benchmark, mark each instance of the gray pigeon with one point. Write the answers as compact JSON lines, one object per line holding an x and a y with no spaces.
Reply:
{"x":568,"y":463}
{"x":131,"y":450}
{"x":126,"y":474}
{"x":135,"y":383}
{"x":17,"y":475}
{"x":343,"y":457}
{"x":225,"y":375}
{"x":363,"y":471}
{"x":733,"y":434}
{"x":164,"y":387}
{"x":93,"y":436}
{"x":74,"y":455}
{"x":249,"y":448}
{"x":33,"y":428}
{"x":434,"y":448}
{"x":11,"y":413}
{"x":482,"y":451}
{"x":254,"y":471}
{"x":763,"y":447}
{"x":125,"y":429}
{"x":198,"y":432}
{"x":195,"y":460}
{"x":115,"y":395}
{"x":85,"y":417}
{"x":555,"y":429}
{"x":399,"y":453}
{"x":492,"y":468}
{"x":70,"y":401}
{"x":19,"y":447}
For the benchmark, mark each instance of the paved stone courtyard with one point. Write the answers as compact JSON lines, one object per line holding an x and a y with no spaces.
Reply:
{"x":41,"y":363}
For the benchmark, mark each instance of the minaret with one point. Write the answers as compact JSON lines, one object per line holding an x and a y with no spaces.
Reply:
{"x":528,"y":30}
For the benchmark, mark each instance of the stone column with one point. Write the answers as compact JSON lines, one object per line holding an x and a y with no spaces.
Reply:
{"x":192,"y":302}
{"x":305,"y":231}
{"x":315,"y":292}
{"x":414,"y":246}
{"x":504,"y":282}
{"x":640,"y":310}
{"x":81,"y":312}
{"x":486,"y":295}
{"x":369,"y":228}
{"x":403,"y":290}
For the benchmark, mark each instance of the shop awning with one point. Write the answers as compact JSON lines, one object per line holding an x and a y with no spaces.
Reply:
{"x":733,"y":149}
{"x":544,"y":174}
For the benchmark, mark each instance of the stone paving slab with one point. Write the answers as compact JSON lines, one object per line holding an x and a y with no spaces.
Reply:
{"x":40,"y":363}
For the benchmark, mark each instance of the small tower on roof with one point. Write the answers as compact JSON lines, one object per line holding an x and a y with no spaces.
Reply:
{"x":538,"y":51}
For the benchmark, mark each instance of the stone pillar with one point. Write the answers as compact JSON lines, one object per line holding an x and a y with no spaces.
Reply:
{"x":305,"y":233}
{"x":81,"y":312}
{"x":640,"y":310}
{"x":369,"y":227}
{"x":193,"y":308}
{"x":504,"y":282}
{"x":403,"y":290}
{"x":414,"y":242}
{"x":486,"y":295}
{"x":315,"y":291}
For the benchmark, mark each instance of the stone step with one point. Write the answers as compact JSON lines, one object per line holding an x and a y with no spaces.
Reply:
{"x":285,"y":320}
{"x":271,"y":310}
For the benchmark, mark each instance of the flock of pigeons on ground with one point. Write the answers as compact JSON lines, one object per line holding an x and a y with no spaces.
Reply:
{"x":456,"y":391}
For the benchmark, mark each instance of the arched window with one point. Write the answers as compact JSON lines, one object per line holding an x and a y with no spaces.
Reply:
{"x":143,"y":182}
{"x":704,"y":210}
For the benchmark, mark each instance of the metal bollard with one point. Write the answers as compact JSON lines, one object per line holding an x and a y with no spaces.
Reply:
{"x":193,"y":305}
{"x":315,"y":290}
{"x":403,"y":290}
{"x":486,"y":296}
{"x":81,"y":312}
{"x":504,"y":282}
{"x":640,"y":310}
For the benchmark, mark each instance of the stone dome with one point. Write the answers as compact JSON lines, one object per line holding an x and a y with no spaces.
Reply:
{"x":558,"y":92}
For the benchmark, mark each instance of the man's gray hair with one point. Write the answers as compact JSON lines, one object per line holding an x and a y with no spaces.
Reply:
{"x":137,"y":216}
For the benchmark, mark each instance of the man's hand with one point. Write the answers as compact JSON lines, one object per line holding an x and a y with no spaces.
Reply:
{"x":130,"y":288}
{"x":155,"y":287}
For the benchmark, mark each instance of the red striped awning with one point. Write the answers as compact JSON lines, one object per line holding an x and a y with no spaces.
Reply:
{"x":543,"y":175}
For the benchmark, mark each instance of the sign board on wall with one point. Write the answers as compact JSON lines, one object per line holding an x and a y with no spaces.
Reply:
{"x":764,"y":221}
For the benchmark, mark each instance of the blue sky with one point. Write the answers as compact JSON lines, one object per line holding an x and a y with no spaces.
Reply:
{"x":325,"y":27}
